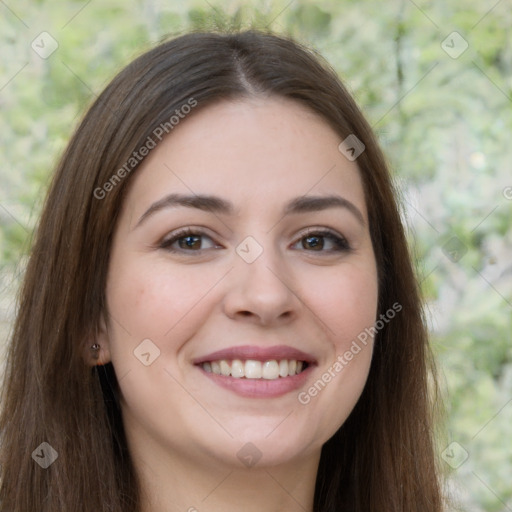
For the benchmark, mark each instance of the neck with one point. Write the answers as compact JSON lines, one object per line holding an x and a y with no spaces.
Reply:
{"x":178,"y":483}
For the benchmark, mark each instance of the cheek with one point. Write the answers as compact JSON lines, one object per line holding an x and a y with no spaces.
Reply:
{"x":345,"y":301}
{"x":166,"y":306}
{"x":151,"y":301}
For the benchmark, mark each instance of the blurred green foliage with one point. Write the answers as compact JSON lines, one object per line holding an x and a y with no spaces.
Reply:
{"x":444,"y":123}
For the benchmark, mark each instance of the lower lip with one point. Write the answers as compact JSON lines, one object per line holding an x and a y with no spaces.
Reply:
{"x":260,"y":388}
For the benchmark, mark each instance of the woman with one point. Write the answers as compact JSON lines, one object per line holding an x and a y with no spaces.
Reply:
{"x":220,"y":312}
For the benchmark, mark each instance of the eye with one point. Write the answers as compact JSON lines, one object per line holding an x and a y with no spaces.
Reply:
{"x":188,"y":240}
{"x":322,"y":240}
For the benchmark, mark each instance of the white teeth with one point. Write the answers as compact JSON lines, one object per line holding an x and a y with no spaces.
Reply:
{"x":224,"y":368}
{"x":237,"y":369}
{"x":270,"y":370}
{"x":251,"y":369}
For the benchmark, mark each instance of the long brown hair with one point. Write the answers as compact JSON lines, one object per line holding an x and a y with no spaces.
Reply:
{"x":381,"y":459}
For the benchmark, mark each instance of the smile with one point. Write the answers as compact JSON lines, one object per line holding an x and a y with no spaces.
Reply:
{"x":252,"y":369}
{"x":255,"y":371}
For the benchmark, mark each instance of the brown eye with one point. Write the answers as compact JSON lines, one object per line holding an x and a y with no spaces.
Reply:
{"x":190,"y":242}
{"x":316,"y":243}
{"x":187,"y":240}
{"x":323,"y":241}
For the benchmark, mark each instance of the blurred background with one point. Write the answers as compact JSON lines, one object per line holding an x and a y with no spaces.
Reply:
{"x":434,"y":78}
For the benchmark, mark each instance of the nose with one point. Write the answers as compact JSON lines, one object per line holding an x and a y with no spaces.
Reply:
{"x":261,"y":292}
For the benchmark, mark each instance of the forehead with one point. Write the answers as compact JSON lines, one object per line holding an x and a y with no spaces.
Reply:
{"x":255,"y":152}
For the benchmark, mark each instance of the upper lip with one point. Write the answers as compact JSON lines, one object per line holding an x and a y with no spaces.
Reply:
{"x":257,"y":353}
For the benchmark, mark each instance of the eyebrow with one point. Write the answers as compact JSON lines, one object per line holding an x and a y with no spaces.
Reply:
{"x":217,"y":205}
{"x":307,"y":204}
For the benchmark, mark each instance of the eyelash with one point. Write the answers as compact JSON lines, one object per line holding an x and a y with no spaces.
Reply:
{"x":341,"y":244}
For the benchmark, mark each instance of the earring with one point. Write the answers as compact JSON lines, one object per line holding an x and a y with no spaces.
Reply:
{"x":95,"y":351}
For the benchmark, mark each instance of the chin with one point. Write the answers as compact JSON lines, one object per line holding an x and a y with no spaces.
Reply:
{"x":260,"y":446}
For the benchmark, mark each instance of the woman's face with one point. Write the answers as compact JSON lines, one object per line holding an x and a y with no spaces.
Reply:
{"x":242,"y":248}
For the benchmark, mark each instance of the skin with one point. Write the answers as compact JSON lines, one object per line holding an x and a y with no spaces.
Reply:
{"x":183,"y":430}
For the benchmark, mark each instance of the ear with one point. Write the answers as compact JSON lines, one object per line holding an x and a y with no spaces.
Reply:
{"x":97,"y":350}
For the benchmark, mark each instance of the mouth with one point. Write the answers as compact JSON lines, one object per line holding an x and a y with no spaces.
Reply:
{"x":253,"y":369}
